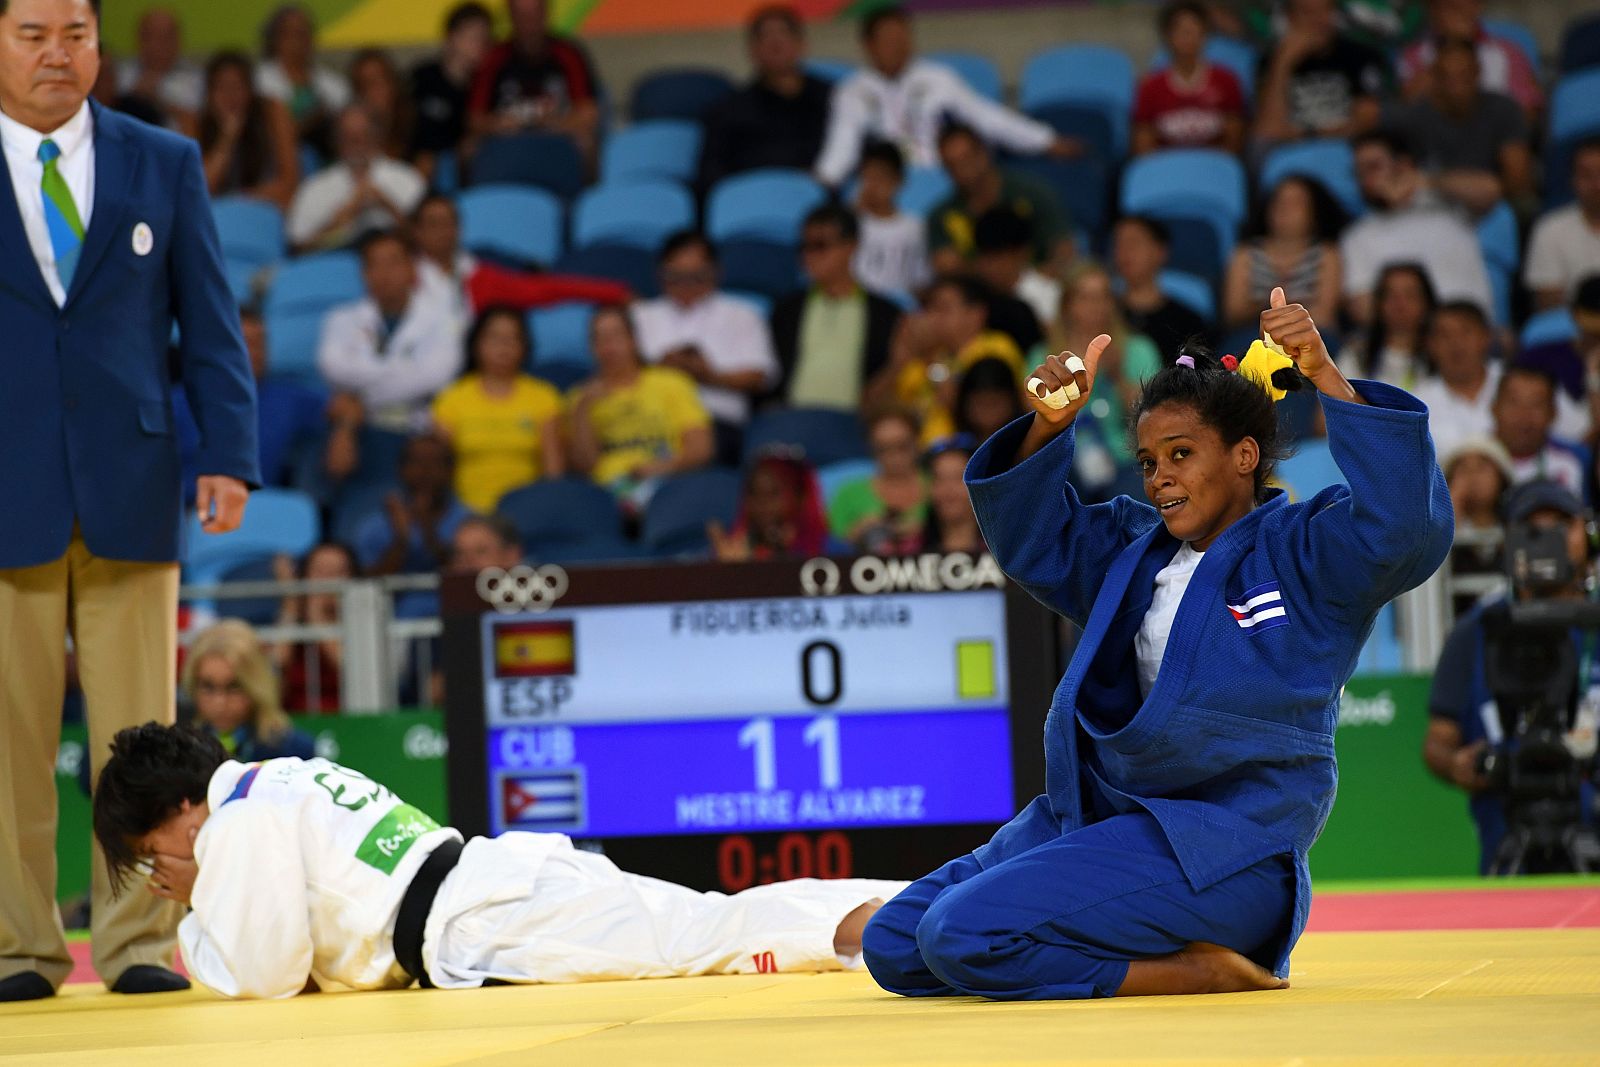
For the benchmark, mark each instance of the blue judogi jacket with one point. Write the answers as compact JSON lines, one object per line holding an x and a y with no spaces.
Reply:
{"x":1232,"y":752}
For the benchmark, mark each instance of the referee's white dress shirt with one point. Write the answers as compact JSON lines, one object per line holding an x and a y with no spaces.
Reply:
{"x":76,"y":164}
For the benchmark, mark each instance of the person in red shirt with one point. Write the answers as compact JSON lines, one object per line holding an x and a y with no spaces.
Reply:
{"x":1191,"y":103}
{"x":536,"y":80}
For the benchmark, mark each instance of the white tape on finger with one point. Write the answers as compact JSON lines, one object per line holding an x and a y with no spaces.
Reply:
{"x":1056,"y":399}
{"x":1075,"y":365}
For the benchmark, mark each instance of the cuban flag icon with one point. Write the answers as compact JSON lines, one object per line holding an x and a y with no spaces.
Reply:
{"x":1261,"y":608}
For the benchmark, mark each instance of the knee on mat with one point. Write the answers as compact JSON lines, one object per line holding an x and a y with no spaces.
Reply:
{"x":955,"y":951}
{"x":889,"y":950}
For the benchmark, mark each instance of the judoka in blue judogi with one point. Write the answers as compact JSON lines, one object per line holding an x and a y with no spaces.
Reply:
{"x":1189,"y":748}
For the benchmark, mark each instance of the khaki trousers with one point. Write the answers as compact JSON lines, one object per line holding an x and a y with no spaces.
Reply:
{"x":123,"y":620}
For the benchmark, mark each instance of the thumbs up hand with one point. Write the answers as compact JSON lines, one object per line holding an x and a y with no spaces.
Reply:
{"x":1291,"y":327}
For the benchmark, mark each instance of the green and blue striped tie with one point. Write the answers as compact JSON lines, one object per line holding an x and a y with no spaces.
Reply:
{"x":60,"y":214}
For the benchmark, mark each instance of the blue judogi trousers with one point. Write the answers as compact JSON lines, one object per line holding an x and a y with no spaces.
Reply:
{"x":1062,"y":920}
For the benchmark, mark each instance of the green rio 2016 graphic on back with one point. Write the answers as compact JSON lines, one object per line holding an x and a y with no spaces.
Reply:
{"x":391,"y":839}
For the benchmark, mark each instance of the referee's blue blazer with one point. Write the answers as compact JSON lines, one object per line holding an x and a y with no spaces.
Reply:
{"x":86,"y":430}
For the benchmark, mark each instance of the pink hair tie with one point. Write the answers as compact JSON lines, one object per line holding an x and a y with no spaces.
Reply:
{"x":1231,"y":362}
{"x":1186,"y":361}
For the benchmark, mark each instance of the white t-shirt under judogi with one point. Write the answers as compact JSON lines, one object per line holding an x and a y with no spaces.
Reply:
{"x":1150,"y":643}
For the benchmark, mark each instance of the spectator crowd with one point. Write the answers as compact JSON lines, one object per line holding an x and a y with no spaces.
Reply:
{"x":919,"y":243}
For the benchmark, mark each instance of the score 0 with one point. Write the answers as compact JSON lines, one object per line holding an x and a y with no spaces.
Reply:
{"x":821,"y":684}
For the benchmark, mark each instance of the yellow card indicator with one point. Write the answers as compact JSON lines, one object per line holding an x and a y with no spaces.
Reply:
{"x":975,"y":670}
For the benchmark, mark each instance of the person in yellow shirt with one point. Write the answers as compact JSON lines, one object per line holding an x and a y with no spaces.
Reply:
{"x":633,"y":424}
{"x":935,"y":346}
{"x":504,"y":424}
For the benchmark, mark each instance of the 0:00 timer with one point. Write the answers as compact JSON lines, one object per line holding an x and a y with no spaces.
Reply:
{"x":740,"y":866}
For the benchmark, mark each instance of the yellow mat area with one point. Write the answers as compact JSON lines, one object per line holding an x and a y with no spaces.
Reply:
{"x":1460,"y":997}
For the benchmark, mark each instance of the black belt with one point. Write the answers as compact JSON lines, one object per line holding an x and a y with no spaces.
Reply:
{"x":415,"y":905}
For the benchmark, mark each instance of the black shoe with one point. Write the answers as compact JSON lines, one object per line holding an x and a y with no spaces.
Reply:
{"x":148,"y":978}
{"x":26,"y":985}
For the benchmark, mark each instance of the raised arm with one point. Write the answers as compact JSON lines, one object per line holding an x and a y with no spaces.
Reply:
{"x":1392,"y":527}
{"x":1043,"y":537}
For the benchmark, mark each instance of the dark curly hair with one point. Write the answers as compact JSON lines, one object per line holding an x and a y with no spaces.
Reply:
{"x":1225,"y":400}
{"x":153,"y":769}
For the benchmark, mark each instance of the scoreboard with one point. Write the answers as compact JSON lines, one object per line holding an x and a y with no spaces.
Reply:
{"x":723,"y":725}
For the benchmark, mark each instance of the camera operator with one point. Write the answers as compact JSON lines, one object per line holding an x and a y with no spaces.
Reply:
{"x":1464,"y":716}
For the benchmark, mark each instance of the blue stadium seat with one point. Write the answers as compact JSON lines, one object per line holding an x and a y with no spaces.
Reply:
{"x":1519,"y":35}
{"x":678,"y":94}
{"x":633,"y":267}
{"x":978,"y":71}
{"x":559,"y":512}
{"x":1574,"y":116}
{"x":1580,"y":45}
{"x":355,"y":504}
{"x":826,"y":436}
{"x":565,"y":375}
{"x":830,"y":70}
{"x":1080,"y":185}
{"x":1086,"y":75}
{"x":561,"y":334}
{"x":1240,"y":57}
{"x":1194,"y":188}
{"x":251,"y":233}
{"x":592,"y":550}
{"x":1547,"y":327}
{"x":1498,"y":238}
{"x":675,"y":519}
{"x":257,"y":611}
{"x":1309,"y":471}
{"x":277,"y":521}
{"x":302,"y":292}
{"x":1091,"y":124}
{"x":666,"y":148}
{"x":1190,"y":290}
{"x":549,"y":161}
{"x":514,"y":221}
{"x":767,"y":203}
{"x":447,"y":173}
{"x":753,"y":265}
{"x":1327,"y":161}
{"x":835,"y":476}
{"x":642,"y":213}
{"x":924,"y":189}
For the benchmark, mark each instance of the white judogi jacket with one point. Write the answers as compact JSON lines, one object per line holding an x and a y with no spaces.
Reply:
{"x":303,"y":864}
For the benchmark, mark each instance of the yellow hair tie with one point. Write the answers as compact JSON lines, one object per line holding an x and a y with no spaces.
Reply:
{"x":1264,"y":359}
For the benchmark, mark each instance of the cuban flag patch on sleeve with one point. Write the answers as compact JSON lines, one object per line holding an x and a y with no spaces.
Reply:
{"x":1260,"y":608}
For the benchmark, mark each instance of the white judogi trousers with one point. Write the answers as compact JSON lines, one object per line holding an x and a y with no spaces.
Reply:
{"x":531,"y":908}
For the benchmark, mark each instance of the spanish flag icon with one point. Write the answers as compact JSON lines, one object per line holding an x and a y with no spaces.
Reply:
{"x":534,"y":650}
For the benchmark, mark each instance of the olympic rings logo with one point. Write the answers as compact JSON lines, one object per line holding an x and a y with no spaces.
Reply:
{"x":522,"y":588}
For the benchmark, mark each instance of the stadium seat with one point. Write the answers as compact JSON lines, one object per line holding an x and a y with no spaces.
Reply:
{"x":1497,"y":237}
{"x":1090,"y":123}
{"x":447,"y":173}
{"x":559,"y":512}
{"x":251,"y":234}
{"x":1548,"y":327}
{"x":355,"y":504}
{"x":753,"y":265}
{"x":277,"y":521}
{"x":1240,"y":57}
{"x":1080,"y":185}
{"x":835,"y":476}
{"x":678,"y":94}
{"x":675,"y":519}
{"x":924,"y":189}
{"x":561,"y":334}
{"x":1574,"y":116}
{"x":1190,"y":290}
{"x":1580,"y":45}
{"x":767,"y":203}
{"x":302,"y":292}
{"x":565,"y":375}
{"x":978,"y":71}
{"x":642,"y":213}
{"x":633,"y":267}
{"x":825,"y":436}
{"x":1309,"y":471}
{"x":592,"y":550}
{"x":1519,"y":35}
{"x":1193,"y":190}
{"x":513,"y":221}
{"x":666,"y":148}
{"x":1093,"y":76}
{"x":1327,"y":161}
{"x":833,"y":71}
{"x":549,"y":161}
